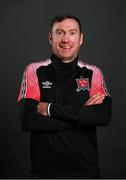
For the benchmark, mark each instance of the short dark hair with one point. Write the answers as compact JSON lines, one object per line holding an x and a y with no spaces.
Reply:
{"x":60,"y":18}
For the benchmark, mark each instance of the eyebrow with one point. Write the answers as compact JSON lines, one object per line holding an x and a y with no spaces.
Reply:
{"x":58,"y":29}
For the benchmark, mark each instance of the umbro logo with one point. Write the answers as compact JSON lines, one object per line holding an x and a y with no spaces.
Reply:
{"x":46,"y":84}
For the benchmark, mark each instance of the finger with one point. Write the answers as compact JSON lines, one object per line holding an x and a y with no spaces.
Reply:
{"x":96,"y":96}
{"x":95,"y":100}
{"x":99,"y":101}
{"x":39,"y":107}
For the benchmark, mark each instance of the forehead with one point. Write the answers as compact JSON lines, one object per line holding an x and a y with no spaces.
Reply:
{"x":66,"y":24}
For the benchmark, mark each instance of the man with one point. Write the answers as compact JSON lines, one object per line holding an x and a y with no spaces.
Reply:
{"x":62,"y":100}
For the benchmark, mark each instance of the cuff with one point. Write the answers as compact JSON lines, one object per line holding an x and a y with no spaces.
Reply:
{"x":48,"y":109}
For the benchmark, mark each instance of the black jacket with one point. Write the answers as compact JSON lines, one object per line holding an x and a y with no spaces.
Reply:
{"x":64,"y":144}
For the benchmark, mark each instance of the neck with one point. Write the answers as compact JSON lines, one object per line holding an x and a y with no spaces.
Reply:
{"x":67,"y":61}
{"x":64,"y":61}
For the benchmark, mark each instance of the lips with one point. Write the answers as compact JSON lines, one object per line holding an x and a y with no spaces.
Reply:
{"x":65,"y":47}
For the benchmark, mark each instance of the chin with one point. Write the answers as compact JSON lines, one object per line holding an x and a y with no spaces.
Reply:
{"x":67,"y":57}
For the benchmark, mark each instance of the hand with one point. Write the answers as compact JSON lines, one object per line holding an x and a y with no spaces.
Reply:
{"x":96,"y":99}
{"x":42,"y":108}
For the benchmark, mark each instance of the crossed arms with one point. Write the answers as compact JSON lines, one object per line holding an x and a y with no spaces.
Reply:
{"x":34,"y":115}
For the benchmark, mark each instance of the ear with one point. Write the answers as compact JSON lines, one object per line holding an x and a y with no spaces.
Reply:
{"x":50,"y":37}
{"x":81,"y":39}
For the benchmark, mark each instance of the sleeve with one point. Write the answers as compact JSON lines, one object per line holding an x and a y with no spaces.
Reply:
{"x":29,"y":86}
{"x":28,"y":99}
{"x":98,"y":84}
{"x":99,"y":114}
{"x":33,"y":121}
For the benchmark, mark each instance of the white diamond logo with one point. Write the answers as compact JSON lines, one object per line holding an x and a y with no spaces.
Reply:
{"x":46,"y":84}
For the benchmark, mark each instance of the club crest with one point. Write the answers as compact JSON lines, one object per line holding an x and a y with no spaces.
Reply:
{"x":82,"y":84}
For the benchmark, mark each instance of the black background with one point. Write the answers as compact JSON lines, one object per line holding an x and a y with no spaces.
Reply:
{"x":23,"y":39}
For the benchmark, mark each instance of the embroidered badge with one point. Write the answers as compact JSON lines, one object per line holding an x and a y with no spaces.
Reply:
{"x":82,"y":84}
{"x":46,"y":84}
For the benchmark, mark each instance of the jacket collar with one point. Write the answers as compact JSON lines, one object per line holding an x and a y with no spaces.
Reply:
{"x":63,"y":68}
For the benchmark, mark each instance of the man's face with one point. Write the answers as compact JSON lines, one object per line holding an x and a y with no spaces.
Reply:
{"x":66,"y":39}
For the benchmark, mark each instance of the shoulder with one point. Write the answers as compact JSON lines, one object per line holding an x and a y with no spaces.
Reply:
{"x":35,"y":65}
{"x":93,"y":68}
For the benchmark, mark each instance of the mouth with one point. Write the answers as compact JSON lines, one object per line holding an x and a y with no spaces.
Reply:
{"x":65,"y":47}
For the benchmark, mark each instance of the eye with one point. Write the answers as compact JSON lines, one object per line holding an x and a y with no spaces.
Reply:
{"x":72,"y":32}
{"x":59,"y":32}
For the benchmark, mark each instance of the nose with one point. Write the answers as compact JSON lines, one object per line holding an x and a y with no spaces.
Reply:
{"x":65,"y":38}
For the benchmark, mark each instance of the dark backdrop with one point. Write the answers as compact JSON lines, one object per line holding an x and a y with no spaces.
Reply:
{"x":23,"y":39}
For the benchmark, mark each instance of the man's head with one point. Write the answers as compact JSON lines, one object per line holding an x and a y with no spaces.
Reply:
{"x":65,"y":37}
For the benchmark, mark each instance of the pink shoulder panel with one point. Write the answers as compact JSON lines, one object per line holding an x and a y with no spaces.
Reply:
{"x":29,"y":86}
{"x":97,"y":83}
